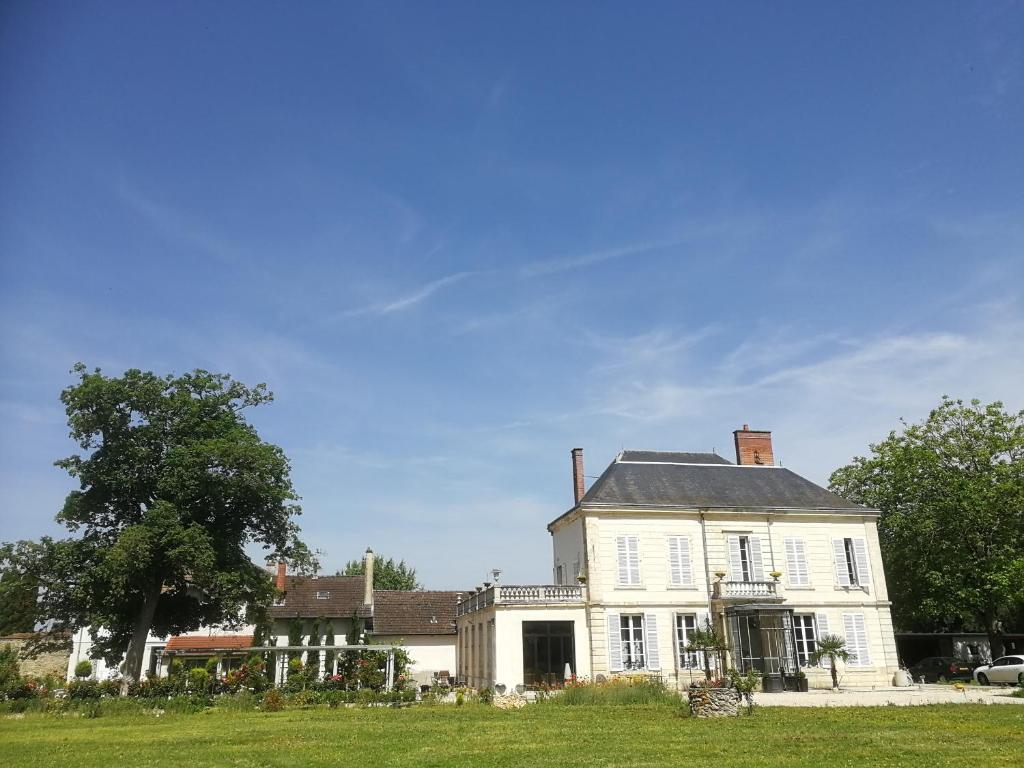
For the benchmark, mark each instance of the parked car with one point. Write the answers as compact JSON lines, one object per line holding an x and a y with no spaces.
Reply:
{"x":935,"y":668}
{"x":1005,"y":669}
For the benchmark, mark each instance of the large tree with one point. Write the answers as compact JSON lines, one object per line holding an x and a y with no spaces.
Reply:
{"x":951,"y":494}
{"x":19,"y":586}
{"x":387,"y":574}
{"x":174,"y":485}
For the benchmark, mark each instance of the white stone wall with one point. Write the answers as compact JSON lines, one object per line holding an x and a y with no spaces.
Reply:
{"x":430,"y":654}
{"x":567,"y":543}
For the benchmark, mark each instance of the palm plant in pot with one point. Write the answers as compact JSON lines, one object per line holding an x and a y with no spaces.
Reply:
{"x":831,"y":647}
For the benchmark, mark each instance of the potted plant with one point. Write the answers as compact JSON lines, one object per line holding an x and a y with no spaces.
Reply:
{"x":776,"y":575}
{"x":796,"y":682}
{"x":830,"y":647}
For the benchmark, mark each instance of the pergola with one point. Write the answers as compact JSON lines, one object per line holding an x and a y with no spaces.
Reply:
{"x":280,"y":654}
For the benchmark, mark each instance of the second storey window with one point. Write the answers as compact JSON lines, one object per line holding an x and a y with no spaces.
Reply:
{"x":745,"y":562}
{"x":680,"y":572}
{"x":796,"y":562}
{"x":852,"y":567}
{"x":629,"y":560}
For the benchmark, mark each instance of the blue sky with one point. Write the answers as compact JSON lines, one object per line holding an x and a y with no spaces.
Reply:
{"x":459,"y":239}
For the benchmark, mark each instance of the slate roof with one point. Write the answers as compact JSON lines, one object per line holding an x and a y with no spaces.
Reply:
{"x":673,"y":457}
{"x":344,"y":597}
{"x":414,"y":613}
{"x":656,"y":481}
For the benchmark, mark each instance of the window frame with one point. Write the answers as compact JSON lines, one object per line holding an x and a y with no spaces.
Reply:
{"x":686,"y":659}
{"x":805,"y":646}
{"x":632,"y":634}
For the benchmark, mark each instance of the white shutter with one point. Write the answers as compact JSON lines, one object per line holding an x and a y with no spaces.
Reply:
{"x":680,"y":572}
{"x":735,"y":566}
{"x":651,"y":639}
{"x":614,"y":643}
{"x":756,"y":564}
{"x":629,"y":560}
{"x":860,"y":551}
{"x":842,"y":572}
{"x":856,"y":639}
{"x":796,"y":562}
{"x":820,"y":630}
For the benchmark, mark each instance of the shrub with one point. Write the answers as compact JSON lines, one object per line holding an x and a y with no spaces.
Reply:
{"x":10,"y":673}
{"x":83,"y":668}
{"x":84,"y":690}
{"x":619,"y":691}
{"x":198,"y":679}
{"x":273,"y":701}
{"x":211,"y":667}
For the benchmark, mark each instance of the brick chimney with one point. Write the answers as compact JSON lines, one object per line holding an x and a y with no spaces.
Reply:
{"x":368,"y":578}
{"x":579,"y":484}
{"x":282,"y":573}
{"x":754,"y":447}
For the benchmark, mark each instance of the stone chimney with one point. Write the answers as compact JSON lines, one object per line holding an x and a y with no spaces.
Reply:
{"x":579,"y":484}
{"x":368,"y":578}
{"x":754,"y":447}
{"x":282,"y":573}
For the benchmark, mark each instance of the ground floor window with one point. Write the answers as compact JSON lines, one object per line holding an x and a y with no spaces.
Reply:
{"x":806,"y":638}
{"x":632,"y":633}
{"x":762,"y":640}
{"x":548,"y":648}
{"x":686,"y":624}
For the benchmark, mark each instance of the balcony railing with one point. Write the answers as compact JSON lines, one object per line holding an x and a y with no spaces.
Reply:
{"x":519,"y":594}
{"x":746,"y":590}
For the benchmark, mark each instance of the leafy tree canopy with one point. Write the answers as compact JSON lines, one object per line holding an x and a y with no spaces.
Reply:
{"x":19,"y":586}
{"x":387,"y":574}
{"x":951,"y":494}
{"x":174,"y":485}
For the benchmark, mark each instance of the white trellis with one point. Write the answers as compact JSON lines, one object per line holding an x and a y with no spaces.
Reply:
{"x":280,"y":658}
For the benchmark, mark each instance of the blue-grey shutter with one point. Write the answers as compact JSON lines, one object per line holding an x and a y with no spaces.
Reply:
{"x":756,"y":563}
{"x":735,"y":564}
{"x":651,"y":640}
{"x":614,"y":643}
{"x":842,"y":571}
{"x":860,"y":551}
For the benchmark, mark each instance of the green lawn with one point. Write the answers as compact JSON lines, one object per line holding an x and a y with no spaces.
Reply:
{"x":540,"y":735}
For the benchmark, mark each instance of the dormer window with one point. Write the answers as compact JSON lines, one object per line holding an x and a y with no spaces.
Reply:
{"x":279,"y":601}
{"x":323,"y":595}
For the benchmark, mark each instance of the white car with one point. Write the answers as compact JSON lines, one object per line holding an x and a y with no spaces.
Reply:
{"x":1005,"y":669}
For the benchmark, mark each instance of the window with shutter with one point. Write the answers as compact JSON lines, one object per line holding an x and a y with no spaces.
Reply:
{"x":614,"y":643}
{"x":735,"y":559}
{"x":631,"y":629}
{"x":680,"y":572}
{"x":856,"y":639}
{"x":842,"y":564}
{"x":629,"y":560}
{"x":821,"y":624}
{"x":756,"y":570}
{"x":860,"y":553}
{"x":651,"y":635}
{"x":796,"y":563}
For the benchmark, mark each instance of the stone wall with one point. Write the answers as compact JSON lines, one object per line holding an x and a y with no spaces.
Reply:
{"x":52,"y":663}
{"x":714,"y":702}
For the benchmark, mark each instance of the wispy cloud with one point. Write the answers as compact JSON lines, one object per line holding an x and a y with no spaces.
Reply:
{"x":566,"y":263}
{"x":407,"y":301}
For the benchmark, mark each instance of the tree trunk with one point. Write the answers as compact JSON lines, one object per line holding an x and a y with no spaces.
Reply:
{"x":137,"y":645}
{"x":835,"y":676}
{"x":995,"y":635}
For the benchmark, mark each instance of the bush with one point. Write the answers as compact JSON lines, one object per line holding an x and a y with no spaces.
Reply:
{"x":487,"y":696}
{"x":83,"y":668}
{"x":198,"y":679}
{"x":273,"y":701}
{"x":619,"y":691}
{"x":10,"y":673}
{"x":83,"y":690}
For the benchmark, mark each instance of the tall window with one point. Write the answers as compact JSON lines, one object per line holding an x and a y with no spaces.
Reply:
{"x":686,"y":623}
{"x":806,"y":639}
{"x":745,"y":562}
{"x":856,"y":639}
{"x":629,"y":560}
{"x":852,"y":567}
{"x":796,"y":560}
{"x":745,"y":557}
{"x":632,"y":632}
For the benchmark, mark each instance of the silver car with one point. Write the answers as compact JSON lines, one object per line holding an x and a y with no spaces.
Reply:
{"x":1005,"y":669}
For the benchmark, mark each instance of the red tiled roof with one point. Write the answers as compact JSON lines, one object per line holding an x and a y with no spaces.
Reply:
{"x":208,"y":642}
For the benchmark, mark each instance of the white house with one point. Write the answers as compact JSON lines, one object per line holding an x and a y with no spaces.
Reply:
{"x":663,"y":542}
{"x":421,"y":622}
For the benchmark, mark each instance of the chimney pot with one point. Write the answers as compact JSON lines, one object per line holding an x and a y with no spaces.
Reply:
{"x":368,"y":578}
{"x":753,"y":447}
{"x":579,"y":483}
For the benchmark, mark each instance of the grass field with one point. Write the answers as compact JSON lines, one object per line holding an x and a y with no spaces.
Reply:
{"x":540,"y":735}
